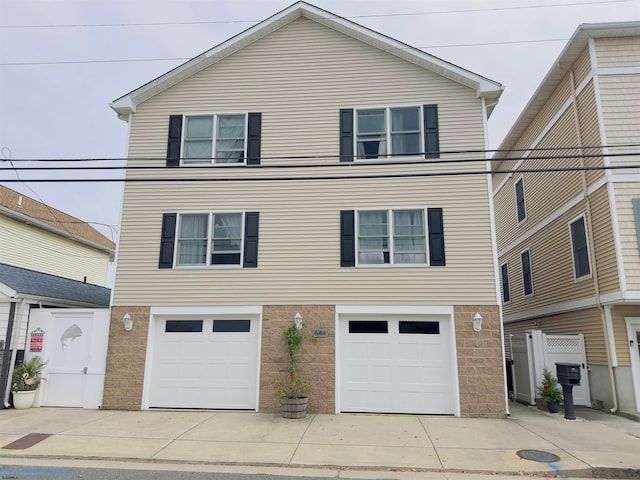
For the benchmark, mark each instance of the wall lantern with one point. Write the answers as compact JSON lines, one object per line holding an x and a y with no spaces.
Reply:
{"x":128,"y":322}
{"x":477,"y":322}
{"x":298,"y":321}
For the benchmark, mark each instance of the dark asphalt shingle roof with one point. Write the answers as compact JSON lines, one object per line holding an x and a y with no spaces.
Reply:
{"x":30,"y":282}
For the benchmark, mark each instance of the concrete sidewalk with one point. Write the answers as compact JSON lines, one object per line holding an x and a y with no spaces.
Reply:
{"x":596,"y":443}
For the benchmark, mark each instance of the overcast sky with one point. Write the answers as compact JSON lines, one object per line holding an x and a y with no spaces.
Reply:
{"x":63,"y":61}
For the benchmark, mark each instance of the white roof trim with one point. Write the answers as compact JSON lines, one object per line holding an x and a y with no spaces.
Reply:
{"x":7,"y":290}
{"x":567,"y":57}
{"x":484,"y":87}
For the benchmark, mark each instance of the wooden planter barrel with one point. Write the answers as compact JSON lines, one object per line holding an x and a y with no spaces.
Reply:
{"x":294,"y":407}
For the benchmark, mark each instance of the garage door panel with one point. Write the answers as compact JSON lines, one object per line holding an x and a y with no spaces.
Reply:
{"x":210,"y":367}
{"x":406,"y":369}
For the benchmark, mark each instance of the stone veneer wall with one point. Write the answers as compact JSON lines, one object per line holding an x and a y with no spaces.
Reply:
{"x":315,"y":361}
{"x":480,"y":363}
{"x":125,"y":359}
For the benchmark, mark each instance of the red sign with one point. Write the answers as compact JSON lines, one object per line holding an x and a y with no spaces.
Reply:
{"x":35,"y":344}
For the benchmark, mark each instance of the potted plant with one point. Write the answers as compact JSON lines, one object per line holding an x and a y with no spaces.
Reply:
{"x":549,"y":391}
{"x":26,"y":380}
{"x":293,"y":393}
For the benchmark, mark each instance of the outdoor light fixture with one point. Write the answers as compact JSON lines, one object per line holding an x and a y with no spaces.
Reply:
{"x":298,"y":320}
{"x":477,"y":322}
{"x":128,"y":322}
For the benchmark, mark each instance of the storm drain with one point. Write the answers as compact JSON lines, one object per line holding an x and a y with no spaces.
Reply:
{"x":538,"y":456}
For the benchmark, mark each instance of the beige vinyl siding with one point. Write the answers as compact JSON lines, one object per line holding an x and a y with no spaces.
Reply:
{"x":299,"y":246}
{"x":605,"y":252}
{"x":299,"y":77}
{"x":582,"y":66}
{"x":620,"y":97}
{"x":624,"y":193}
{"x":620,"y":331}
{"x":590,"y":133}
{"x":618,"y":52}
{"x":587,"y":322}
{"x":551,"y":266}
{"x":27,"y":246}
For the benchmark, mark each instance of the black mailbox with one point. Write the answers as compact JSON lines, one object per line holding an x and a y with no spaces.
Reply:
{"x":568,"y":373}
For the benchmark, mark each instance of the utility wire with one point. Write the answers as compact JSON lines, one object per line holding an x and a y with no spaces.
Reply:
{"x":319,"y":157}
{"x":323,"y":177}
{"x":380,"y":15}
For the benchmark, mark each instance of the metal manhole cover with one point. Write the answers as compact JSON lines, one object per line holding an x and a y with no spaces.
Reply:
{"x":538,"y":456}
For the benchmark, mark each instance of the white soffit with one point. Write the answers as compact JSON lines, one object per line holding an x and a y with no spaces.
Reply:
{"x":483,"y":86}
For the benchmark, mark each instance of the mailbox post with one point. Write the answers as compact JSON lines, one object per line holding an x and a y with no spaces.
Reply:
{"x":568,"y":376}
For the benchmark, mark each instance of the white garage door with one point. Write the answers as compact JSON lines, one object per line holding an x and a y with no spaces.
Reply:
{"x":205,"y":363}
{"x":397,"y":364}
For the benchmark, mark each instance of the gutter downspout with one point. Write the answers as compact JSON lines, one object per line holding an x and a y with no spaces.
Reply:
{"x":594,"y":269}
{"x":17,"y":326}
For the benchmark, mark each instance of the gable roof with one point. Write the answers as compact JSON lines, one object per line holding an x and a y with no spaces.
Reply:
{"x":483,"y":86}
{"x":569,"y":55}
{"x":51,"y":288}
{"x":28,"y":210}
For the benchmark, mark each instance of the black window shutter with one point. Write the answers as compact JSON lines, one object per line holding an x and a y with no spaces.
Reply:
{"x":431,"y":134}
{"x":346,"y":135}
{"x":253,"y":142}
{"x":347,"y":239}
{"x":173,"y":144}
{"x":436,"y":237}
{"x":251,"y":240}
{"x":167,"y":239}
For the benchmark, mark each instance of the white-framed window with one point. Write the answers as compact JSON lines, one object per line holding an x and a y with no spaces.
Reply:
{"x":506,"y":289}
{"x":209,"y":239}
{"x":393,"y":237}
{"x":580,"y":248}
{"x":521,"y":206}
{"x":527,"y":276}
{"x":213,"y":139}
{"x":389,"y":132}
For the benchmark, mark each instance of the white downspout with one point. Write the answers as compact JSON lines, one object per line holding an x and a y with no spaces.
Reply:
{"x":17,"y":326}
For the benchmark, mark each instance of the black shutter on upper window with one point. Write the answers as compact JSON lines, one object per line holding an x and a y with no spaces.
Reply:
{"x":431,"y":134}
{"x":254,"y":129}
{"x":347,"y":239}
{"x":167,"y":239}
{"x":251,"y":220}
{"x":175,"y":138}
{"x":346,"y":135}
{"x":436,"y":237}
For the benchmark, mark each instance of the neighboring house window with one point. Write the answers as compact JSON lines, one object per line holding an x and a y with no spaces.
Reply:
{"x":520,"y":202}
{"x":392,"y":237}
{"x":389,"y":132}
{"x":209,"y":239}
{"x":506,"y":292}
{"x":636,"y":214}
{"x":527,"y":279}
{"x":580,"y":248}
{"x":214,"y":139}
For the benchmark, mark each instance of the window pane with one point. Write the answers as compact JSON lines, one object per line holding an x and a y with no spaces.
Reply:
{"x":199,"y":127}
{"x":506,"y":294}
{"x":373,"y":238}
{"x":196,"y":149}
{"x":520,"y":204}
{"x":526,"y":273}
{"x":182,"y":326}
{"x":230,"y":139}
{"x":227,"y":239}
{"x":422,"y":328}
{"x":232,"y":326}
{"x":405,"y":119}
{"x":371,"y":121}
{"x":580,"y":250}
{"x":409,"y":238}
{"x":192,"y":239}
{"x":368,"y":327}
{"x":405,"y":144}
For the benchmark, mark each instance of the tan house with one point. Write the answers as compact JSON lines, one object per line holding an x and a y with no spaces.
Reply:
{"x":569,"y":240}
{"x":301,"y":167}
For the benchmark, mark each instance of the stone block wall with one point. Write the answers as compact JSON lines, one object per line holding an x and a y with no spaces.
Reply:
{"x":126,"y":357}
{"x":480,"y":363}
{"x":315,"y":360}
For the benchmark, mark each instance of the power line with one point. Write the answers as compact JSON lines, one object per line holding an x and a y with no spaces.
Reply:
{"x":381,"y":15}
{"x":319,"y":157}
{"x":324,"y":177}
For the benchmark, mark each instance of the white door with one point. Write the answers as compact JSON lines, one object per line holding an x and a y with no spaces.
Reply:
{"x":396,"y":364}
{"x":633,"y":331}
{"x":205,"y":363}
{"x":74,"y":344}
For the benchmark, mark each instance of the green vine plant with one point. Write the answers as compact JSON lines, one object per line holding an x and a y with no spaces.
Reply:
{"x":293,"y":338}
